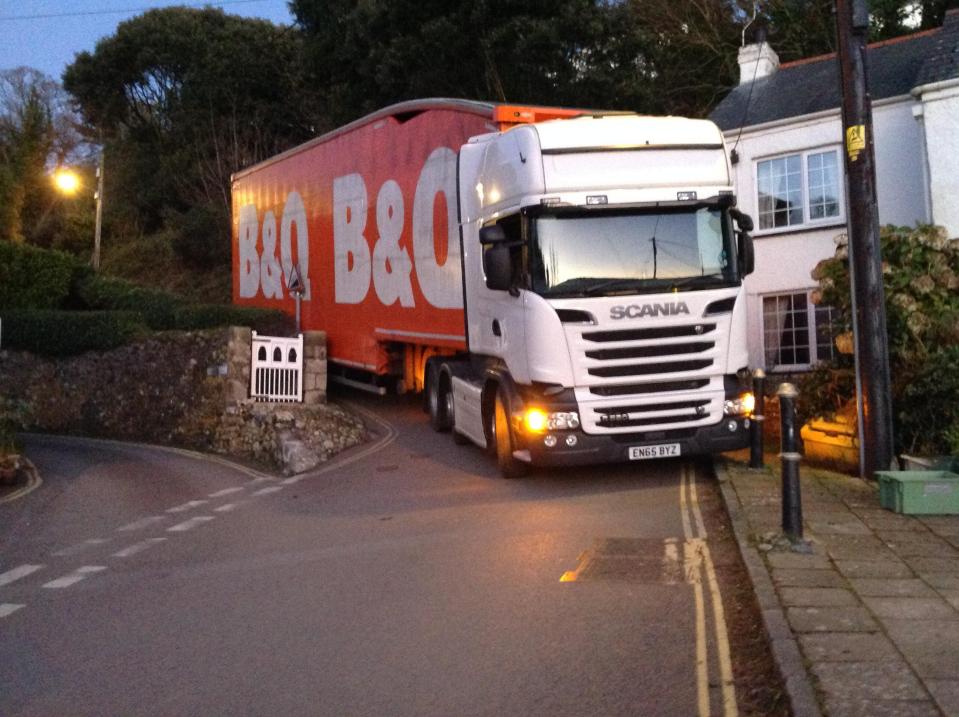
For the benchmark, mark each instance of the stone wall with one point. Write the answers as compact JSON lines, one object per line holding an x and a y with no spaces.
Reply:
{"x":180,"y":388}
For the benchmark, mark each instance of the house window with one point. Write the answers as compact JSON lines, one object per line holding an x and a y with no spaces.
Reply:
{"x":798,"y":189}
{"x":796,"y":333}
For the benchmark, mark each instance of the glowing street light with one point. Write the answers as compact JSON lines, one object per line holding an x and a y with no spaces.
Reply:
{"x":68,"y":182}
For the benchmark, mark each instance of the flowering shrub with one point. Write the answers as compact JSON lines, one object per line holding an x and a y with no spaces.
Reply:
{"x":921,"y":277}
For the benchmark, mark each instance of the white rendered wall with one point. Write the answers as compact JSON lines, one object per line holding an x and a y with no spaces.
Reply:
{"x":785,"y":257}
{"x":940,"y":110}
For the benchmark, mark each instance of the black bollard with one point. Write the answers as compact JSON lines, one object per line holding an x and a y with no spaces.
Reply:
{"x":756,"y":426}
{"x":792,"y":498}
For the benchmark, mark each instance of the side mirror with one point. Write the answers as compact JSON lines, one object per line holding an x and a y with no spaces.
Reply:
{"x":492,"y":234}
{"x":747,"y":255}
{"x":743,"y":221}
{"x":498,"y":267}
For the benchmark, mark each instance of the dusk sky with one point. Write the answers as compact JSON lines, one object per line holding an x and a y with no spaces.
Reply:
{"x":46,"y":34}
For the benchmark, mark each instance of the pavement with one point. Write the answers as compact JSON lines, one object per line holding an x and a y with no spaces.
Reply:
{"x":865,"y":622}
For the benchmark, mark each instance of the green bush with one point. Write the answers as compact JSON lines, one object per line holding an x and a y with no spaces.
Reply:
{"x":32,"y":278}
{"x":158,"y":308}
{"x":66,"y":333}
{"x":921,"y":279}
{"x":207,"y":316}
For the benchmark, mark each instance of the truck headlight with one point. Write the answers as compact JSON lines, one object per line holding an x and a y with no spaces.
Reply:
{"x":536,"y":420}
{"x":744,"y":405}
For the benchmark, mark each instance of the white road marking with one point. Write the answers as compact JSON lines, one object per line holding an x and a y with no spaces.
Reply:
{"x":17,"y":573}
{"x":190,"y":524}
{"x":227,"y":507}
{"x":257,"y":481}
{"x":267,"y":490}
{"x":226,"y":491}
{"x":8,"y":608}
{"x":137,"y":547}
{"x":80,"y":547}
{"x":291,"y":481}
{"x":142,"y":523}
{"x":74,"y":577}
{"x":190,"y":505}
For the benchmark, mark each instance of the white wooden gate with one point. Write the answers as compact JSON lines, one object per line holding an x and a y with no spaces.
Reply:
{"x":276,"y":372}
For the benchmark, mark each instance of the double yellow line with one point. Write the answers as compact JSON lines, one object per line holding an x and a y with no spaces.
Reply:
{"x":698,"y":561}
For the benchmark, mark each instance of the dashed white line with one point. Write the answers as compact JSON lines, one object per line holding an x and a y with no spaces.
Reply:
{"x":80,"y":547}
{"x":227,"y":507}
{"x":190,"y":524}
{"x":190,"y":505}
{"x":74,"y":577}
{"x":17,"y":573}
{"x":8,"y":608}
{"x":291,"y":481}
{"x":142,"y":523}
{"x":137,"y":547}
{"x":226,"y":491}
{"x":267,"y":490}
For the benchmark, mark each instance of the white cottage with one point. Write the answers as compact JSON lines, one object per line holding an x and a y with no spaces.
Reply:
{"x":783,"y":125}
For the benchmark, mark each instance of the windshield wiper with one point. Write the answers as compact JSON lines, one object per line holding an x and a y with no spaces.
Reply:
{"x":707,"y":279}
{"x":625,"y":284}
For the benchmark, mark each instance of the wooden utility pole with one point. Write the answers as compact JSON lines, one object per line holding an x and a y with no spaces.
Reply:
{"x":865,"y":259}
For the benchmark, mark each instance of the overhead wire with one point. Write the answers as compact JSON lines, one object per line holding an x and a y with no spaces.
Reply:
{"x":123,"y":11}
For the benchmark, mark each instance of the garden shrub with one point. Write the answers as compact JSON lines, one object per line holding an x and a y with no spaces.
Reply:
{"x":34,"y":278}
{"x":921,"y":277}
{"x":158,"y":308}
{"x":207,"y":316}
{"x":51,"y":332}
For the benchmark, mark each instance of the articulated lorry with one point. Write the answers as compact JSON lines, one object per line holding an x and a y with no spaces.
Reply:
{"x":565,"y":286}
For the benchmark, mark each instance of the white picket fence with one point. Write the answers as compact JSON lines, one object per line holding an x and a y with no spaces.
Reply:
{"x":276,"y":373}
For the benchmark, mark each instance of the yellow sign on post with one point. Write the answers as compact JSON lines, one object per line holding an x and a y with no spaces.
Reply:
{"x":855,"y":141}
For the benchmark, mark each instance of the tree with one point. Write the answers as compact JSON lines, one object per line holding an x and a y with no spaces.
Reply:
{"x":37,"y":131}
{"x":182,"y":98}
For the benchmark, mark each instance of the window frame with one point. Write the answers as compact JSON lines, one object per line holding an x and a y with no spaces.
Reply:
{"x":807,"y":223}
{"x":811,"y":328}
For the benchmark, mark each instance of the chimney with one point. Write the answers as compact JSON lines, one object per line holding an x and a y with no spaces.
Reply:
{"x":756,"y":61}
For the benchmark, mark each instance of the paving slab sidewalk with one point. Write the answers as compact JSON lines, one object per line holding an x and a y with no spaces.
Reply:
{"x":866,"y":623}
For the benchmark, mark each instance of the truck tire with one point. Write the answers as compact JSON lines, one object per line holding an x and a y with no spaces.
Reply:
{"x":438,"y":400}
{"x":508,"y":466}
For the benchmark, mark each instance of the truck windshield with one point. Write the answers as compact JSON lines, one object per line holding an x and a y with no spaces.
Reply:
{"x":600,"y":253}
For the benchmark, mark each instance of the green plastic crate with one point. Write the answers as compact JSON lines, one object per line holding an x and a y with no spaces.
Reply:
{"x":919,"y":492}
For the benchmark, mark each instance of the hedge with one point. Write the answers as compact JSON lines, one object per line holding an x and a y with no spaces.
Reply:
{"x":66,"y":333}
{"x":35,"y":278}
{"x":158,"y":308}
{"x":163,"y":311}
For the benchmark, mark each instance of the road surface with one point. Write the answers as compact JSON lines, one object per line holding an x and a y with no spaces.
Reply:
{"x":404,"y":578}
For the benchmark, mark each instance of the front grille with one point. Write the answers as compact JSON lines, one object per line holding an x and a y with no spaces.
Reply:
{"x":698,"y":403}
{"x":658,"y":332}
{"x":641,"y":388}
{"x":648,"y":369}
{"x":650,"y":351}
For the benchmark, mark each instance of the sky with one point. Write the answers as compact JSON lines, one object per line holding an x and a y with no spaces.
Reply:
{"x":47,"y":34}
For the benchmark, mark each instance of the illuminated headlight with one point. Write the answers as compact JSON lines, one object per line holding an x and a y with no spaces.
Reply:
{"x":536,"y":420}
{"x":742,"y":406}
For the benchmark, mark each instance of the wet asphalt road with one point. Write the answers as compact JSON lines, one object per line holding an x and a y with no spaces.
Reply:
{"x":405,"y":578}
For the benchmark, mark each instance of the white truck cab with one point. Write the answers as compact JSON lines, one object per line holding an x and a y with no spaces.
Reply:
{"x":603,"y":263}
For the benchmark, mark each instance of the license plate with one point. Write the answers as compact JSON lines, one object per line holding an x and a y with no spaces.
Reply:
{"x":665,"y":450}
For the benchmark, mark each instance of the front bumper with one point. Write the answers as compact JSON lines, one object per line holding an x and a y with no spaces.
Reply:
{"x":591,"y":448}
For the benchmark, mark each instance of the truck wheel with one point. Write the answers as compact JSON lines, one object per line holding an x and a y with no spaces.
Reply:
{"x":508,"y":466}
{"x":438,"y":398}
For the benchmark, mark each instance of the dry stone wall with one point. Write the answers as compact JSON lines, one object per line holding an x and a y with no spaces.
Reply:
{"x":181,"y":388}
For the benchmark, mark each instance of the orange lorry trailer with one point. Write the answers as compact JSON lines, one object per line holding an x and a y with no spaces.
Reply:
{"x":366,"y":219}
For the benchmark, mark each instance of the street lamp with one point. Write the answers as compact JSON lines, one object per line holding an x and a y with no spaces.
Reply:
{"x":68,"y":182}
